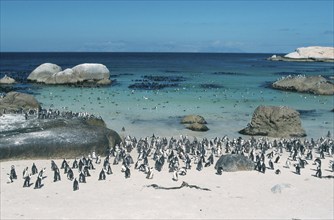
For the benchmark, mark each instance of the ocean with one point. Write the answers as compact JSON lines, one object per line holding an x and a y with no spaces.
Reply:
{"x":151,"y":92}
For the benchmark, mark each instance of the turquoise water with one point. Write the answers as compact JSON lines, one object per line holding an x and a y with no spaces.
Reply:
{"x":224,"y":88}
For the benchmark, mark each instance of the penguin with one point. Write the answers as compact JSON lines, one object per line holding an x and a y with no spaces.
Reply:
{"x":75,"y":164}
{"x":318,"y":173}
{"x":53,"y":165}
{"x":150,"y":173}
{"x":75,"y":185}
{"x":175,"y":175}
{"x":271,"y":164}
{"x":127,"y":172}
{"x":297,"y":169}
{"x":70,"y":174}
{"x":219,"y":171}
{"x":38,"y":183}
{"x":182,"y":171}
{"x":277,"y":172}
{"x":263,"y":167}
{"x":13,"y":172}
{"x":63,"y":164}
{"x":56,"y":176}
{"x":27,"y":181}
{"x":82,"y":178}
{"x":199,"y":166}
{"x":102,"y":175}
{"x":277,"y":159}
{"x":25,"y":172}
{"x":109,"y":171}
{"x":9,"y":178}
{"x":34,"y":169}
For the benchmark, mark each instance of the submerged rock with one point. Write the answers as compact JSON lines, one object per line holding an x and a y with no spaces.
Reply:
{"x":7,"y":80}
{"x":61,"y":137}
{"x":234,"y":162}
{"x":16,"y":101}
{"x":307,"y":84}
{"x":275,"y":121}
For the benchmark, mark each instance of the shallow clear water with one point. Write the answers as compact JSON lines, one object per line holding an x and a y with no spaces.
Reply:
{"x":224,"y":88}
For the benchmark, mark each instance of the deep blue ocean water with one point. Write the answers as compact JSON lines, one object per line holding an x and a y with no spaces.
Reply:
{"x":152,"y":91}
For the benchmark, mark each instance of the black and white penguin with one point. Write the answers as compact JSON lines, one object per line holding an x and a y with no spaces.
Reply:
{"x":263,"y":167}
{"x":75,"y":164}
{"x":13,"y":172}
{"x":9,"y":178}
{"x":277,"y":159}
{"x":38,"y":183}
{"x":75,"y":185}
{"x":109,"y":170}
{"x":70,"y":174}
{"x":82,"y":177}
{"x":102,"y":175}
{"x":278,"y":171}
{"x":297,"y":169}
{"x":56,"y":176}
{"x":25,"y":172}
{"x":219,"y":171}
{"x":318,"y":173}
{"x":199,"y":166}
{"x":150,"y":173}
{"x":271,"y":164}
{"x":127,"y":172}
{"x":175,"y":175}
{"x":27,"y":181}
{"x":34,"y":169}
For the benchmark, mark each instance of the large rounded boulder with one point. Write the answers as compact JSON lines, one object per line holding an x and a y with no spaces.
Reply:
{"x":91,"y":72}
{"x":16,"y":101}
{"x":275,"y":121}
{"x":190,"y":119}
{"x":43,"y":72}
{"x":60,"y":137}
{"x":234,"y":162}
{"x":306,"y":84}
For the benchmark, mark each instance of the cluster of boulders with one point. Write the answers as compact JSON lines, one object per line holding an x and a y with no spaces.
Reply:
{"x":306,"y":84}
{"x":195,"y":123}
{"x":92,"y":73}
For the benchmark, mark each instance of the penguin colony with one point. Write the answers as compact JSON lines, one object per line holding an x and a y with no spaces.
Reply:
{"x":183,"y":154}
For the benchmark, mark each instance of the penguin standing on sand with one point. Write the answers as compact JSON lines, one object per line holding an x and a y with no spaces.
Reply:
{"x":127,"y":172}
{"x":34,"y":169}
{"x":75,"y":164}
{"x":75,"y":185}
{"x":56,"y":176}
{"x":199,"y":166}
{"x":219,"y":171}
{"x":271,"y":164}
{"x":297,"y":169}
{"x":102,"y":175}
{"x":13,"y":172}
{"x":70,"y":174}
{"x":109,"y":170}
{"x":38,"y":183}
{"x":82,"y":178}
{"x":318,"y":173}
{"x":27,"y":181}
{"x":149,"y":173}
{"x":277,"y":159}
{"x":175,"y":175}
{"x":263,"y":167}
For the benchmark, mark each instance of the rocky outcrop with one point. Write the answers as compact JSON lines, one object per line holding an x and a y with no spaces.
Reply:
{"x":194,"y":123}
{"x":61,"y":137}
{"x":308,"y":54}
{"x":275,"y":121}
{"x":15,"y":102}
{"x":43,"y":72}
{"x":306,"y":84}
{"x":197,"y":127}
{"x":234,"y":162}
{"x":87,"y":73}
{"x":189,"y":119}
{"x":7,"y":80}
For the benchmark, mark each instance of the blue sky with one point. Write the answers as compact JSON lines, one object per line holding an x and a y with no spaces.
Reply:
{"x":165,"y":26}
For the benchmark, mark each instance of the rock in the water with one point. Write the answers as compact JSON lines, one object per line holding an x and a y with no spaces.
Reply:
{"x":7,"y":80}
{"x":87,"y":73}
{"x":197,"y":127}
{"x":275,"y":121}
{"x":45,"y":138}
{"x":15,"y":101}
{"x":43,"y":72}
{"x":91,"y":71}
{"x":308,"y":54}
{"x":314,"y":52}
{"x":308,"y":84}
{"x":189,"y":119}
{"x":234,"y":162}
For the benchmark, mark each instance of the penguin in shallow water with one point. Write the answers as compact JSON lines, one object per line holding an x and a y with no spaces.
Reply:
{"x":75,"y":185}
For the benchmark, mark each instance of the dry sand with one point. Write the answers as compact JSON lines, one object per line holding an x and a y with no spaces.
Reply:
{"x":237,"y":195}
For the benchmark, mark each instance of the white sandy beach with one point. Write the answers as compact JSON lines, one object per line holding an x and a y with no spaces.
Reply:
{"x":233,"y":195}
